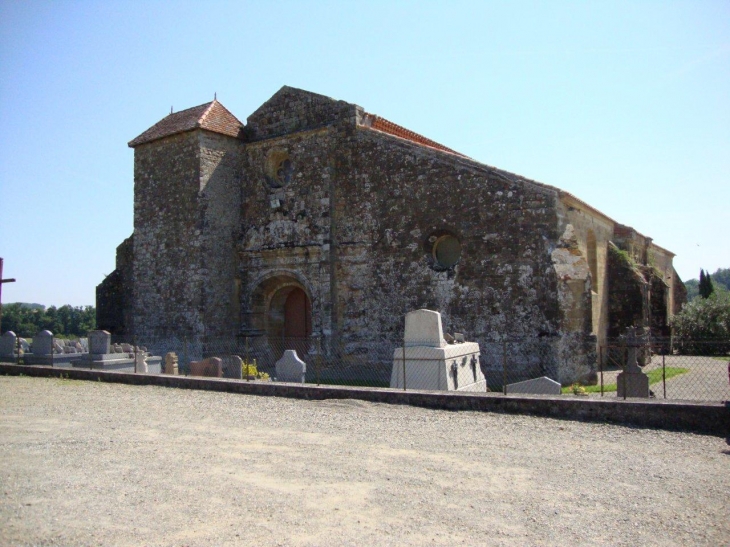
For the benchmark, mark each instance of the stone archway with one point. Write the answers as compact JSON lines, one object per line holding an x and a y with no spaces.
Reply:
{"x":281,"y":307}
{"x":289,"y":313}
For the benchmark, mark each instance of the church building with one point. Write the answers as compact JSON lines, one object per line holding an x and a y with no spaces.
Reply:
{"x":318,"y":218}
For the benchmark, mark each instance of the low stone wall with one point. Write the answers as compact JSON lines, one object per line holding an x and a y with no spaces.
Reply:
{"x":708,"y":418}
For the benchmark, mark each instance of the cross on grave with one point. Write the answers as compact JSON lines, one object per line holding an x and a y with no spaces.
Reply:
{"x":633,"y":342}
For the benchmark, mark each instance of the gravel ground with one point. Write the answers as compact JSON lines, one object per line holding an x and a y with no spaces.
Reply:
{"x":88,"y":463}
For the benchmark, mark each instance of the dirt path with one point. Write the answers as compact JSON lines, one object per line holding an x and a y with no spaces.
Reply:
{"x":87,"y":463}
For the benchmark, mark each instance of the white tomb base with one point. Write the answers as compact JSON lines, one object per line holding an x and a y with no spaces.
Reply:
{"x":454,"y":367}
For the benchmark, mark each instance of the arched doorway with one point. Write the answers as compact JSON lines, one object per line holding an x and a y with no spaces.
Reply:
{"x":280,"y":307}
{"x":289,"y":313}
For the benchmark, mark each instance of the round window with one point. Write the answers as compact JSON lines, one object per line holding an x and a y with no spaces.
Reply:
{"x":447,"y":251}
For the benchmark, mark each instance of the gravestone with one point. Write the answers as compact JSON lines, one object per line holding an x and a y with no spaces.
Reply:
{"x":232,"y":365}
{"x":140,"y":363}
{"x":427,"y":361}
{"x":632,"y":382}
{"x":57,"y":346}
{"x":210,"y":367}
{"x":171,"y":366}
{"x":290,"y":368}
{"x":8,"y":344}
{"x":99,"y":342}
{"x":536,"y":386}
{"x":43,"y":343}
{"x":423,"y":329}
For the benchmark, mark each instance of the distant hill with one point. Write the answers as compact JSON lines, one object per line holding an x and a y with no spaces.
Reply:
{"x":720,"y":280}
{"x":29,"y":306}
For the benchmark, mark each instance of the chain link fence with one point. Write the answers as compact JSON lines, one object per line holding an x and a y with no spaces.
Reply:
{"x":677,"y":369}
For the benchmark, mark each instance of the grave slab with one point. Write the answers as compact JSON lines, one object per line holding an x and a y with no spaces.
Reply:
{"x":536,"y":386}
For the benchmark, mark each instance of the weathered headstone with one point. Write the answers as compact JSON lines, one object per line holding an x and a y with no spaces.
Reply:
{"x":536,"y":386}
{"x":290,"y":368}
{"x":232,"y":366}
{"x":171,"y":365}
{"x":127,"y":348}
{"x":211,"y":367}
{"x":632,"y":382}
{"x":427,"y":361}
{"x":43,"y":343}
{"x":423,"y":329}
{"x":140,"y":363}
{"x":99,"y":342}
{"x":8,"y":344}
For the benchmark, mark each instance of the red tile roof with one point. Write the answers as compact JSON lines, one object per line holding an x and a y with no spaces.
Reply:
{"x":374,"y":121}
{"x":212,"y":116}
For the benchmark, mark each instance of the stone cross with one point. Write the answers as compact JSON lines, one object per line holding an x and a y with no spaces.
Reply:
{"x":633,"y":342}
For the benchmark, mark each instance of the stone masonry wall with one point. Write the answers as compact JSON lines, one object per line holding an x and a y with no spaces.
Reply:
{"x":352,"y":226}
{"x":219,"y":206}
{"x":168,"y":271}
{"x":392,"y":197}
{"x":285,"y":231}
{"x":628,"y":294}
{"x":291,"y":110}
{"x":114,"y":306}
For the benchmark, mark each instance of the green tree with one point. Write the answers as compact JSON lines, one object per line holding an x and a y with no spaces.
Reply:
{"x":27,"y":320}
{"x":721,"y":278}
{"x":705,"y":284}
{"x":703,"y":320}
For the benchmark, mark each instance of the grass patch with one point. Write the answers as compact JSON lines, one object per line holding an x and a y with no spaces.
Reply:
{"x":655,"y":376}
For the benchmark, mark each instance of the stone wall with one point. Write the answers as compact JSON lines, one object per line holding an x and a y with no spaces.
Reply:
{"x":168,"y":270}
{"x":114,"y":308}
{"x":628,"y":293}
{"x":291,"y":110}
{"x":219,"y":206}
{"x":355,"y":224}
{"x":186,"y":221}
{"x":593,"y":231}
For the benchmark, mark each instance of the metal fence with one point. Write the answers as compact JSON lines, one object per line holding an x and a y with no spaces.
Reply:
{"x":677,"y":369}
{"x":692,"y":370}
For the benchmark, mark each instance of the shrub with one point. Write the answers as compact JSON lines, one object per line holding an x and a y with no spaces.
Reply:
{"x":703,"y":320}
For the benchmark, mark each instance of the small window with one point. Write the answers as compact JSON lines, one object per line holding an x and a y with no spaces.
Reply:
{"x":446,"y":251}
{"x":284,"y":171}
{"x":279,"y":168}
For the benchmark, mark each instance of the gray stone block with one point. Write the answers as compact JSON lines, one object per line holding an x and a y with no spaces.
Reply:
{"x":537,"y":386}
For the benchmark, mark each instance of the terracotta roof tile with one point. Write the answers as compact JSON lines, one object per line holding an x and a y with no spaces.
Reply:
{"x":374,"y":121}
{"x":212,"y":116}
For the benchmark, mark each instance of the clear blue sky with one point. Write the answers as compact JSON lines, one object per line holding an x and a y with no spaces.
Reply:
{"x":624,"y":104}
